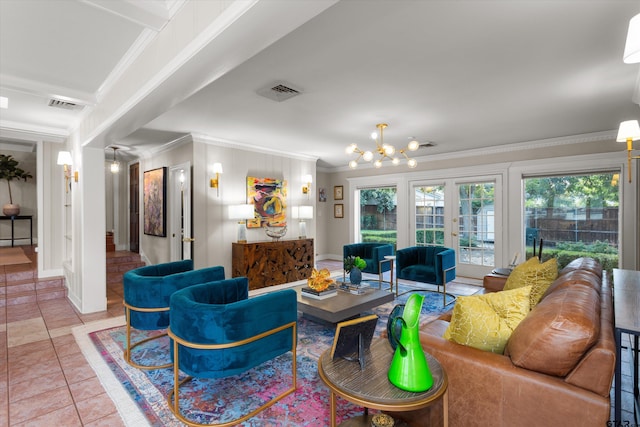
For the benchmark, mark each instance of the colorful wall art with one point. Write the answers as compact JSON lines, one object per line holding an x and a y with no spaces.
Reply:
{"x":155,"y":202}
{"x":269,"y":198}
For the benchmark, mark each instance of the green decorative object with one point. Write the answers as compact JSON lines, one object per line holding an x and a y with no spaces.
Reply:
{"x":354,"y":266}
{"x":409,"y":369}
{"x":351,"y":262}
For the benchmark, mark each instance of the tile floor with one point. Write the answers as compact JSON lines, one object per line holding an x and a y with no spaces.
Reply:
{"x":45,"y":380}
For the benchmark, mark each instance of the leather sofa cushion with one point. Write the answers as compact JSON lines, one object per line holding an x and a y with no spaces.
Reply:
{"x":588,"y":264}
{"x":557,"y":332}
{"x":574,"y":278}
{"x":596,"y":369}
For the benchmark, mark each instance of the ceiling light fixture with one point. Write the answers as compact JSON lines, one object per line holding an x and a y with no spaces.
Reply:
{"x":385,"y":151}
{"x":115,"y":166}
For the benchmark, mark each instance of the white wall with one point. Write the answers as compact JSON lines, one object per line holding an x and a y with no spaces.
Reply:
{"x":212,"y":228}
{"x":156,"y":249}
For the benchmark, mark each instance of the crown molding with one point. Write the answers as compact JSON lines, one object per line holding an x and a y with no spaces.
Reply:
{"x":171,"y":145}
{"x":28,"y":132}
{"x":205,"y":139}
{"x":46,"y":90}
{"x":608,"y":135}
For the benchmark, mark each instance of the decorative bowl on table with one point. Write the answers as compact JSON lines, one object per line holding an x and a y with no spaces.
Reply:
{"x":275,"y":232}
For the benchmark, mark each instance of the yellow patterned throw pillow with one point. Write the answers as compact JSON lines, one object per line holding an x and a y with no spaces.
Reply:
{"x":486,"y":321}
{"x":533,"y":273}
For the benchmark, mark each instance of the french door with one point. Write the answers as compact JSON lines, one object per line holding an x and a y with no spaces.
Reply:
{"x":463,"y":214}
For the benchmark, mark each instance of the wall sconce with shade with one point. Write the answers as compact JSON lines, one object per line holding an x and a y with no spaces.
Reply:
{"x":215,"y":182}
{"x":64,"y":159}
{"x":302,"y":213}
{"x":632,"y":47}
{"x":306,"y":189}
{"x":241,"y":213}
{"x":629,"y":131}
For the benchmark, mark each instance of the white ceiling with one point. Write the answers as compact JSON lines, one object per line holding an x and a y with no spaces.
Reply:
{"x":462,"y":74}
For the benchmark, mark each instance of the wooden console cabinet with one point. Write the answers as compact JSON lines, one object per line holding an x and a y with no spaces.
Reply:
{"x":273,"y":263}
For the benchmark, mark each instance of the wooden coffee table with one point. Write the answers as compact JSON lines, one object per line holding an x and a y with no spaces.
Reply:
{"x":343,"y":305}
{"x":371,"y":387}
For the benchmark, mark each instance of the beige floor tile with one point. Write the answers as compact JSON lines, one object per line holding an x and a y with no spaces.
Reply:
{"x":95,"y":407}
{"x":67,"y":417}
{"x":40,"y":404}
{"x":26,"y":331}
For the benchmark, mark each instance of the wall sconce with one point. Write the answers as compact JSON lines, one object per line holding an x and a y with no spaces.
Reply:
{"x":302,"y":213}
{"x":306,"y":189}
{"x":241,"y":213}
{"x":64,"y":158}
{"x":215,"y":182}
{"x":629,"y":131}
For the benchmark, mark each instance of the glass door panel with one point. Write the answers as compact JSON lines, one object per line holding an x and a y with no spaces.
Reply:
{"x":475,"y":243}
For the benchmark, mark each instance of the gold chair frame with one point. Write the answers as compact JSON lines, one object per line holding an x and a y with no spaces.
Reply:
{"x":444,"y":285}
{"x":174,"y":404}
{"x":129,"y":347}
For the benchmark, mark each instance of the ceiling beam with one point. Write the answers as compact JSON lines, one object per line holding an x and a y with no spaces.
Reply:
{"x":153,"y":15}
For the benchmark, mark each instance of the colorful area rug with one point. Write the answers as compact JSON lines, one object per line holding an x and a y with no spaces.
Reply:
{"x":141,"y":395}
{"x":12,"y":256}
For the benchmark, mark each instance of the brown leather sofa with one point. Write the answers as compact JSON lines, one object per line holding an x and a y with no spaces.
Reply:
{"x":557,"y":368}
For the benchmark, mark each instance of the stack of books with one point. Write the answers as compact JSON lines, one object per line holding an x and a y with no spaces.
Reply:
{"x":311,"y":293}
{"x":354,"y":289}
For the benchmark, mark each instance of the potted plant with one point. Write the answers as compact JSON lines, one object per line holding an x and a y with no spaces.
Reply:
{"x":354,"y":266}
{"x":9,"y":170}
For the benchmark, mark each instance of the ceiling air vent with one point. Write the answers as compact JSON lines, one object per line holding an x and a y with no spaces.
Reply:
{"x":279,"y":92}
{"x":58,"y":103}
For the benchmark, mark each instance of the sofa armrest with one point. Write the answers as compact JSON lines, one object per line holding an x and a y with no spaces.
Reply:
{"x":379,"y":252}
{"x":494,"y":282}
{"x":445,"y":266}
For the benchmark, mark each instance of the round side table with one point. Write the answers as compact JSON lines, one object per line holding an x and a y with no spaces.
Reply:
{"x":371,"y":388}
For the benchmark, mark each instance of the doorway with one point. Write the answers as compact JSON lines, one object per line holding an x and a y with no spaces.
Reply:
{"x":134,"y":207}
{"x":463,"y":214}
{"x":180,"y":217}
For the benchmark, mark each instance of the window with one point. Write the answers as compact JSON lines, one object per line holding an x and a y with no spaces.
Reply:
{"x":378,"y":215}
{"x":429,"y":215}
{"x":575,"y":216}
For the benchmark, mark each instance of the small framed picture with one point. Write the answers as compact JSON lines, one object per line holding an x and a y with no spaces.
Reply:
{"x":337,"y":192}
{"x":353,"y":338}
{"x":338,"y":210}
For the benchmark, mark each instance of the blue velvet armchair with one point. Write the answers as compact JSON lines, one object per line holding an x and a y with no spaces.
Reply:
{"x":217,"y":331}
{"x":372,"y":253}
{"x":146,"y":298}
{"x":426,"y":264}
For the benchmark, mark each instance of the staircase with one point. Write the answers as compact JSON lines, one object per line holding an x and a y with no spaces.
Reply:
{"x":19,"y":284}
{"x":118,"y":263}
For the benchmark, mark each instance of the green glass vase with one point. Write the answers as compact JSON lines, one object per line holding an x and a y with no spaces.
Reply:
{"x":409,"y":369}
